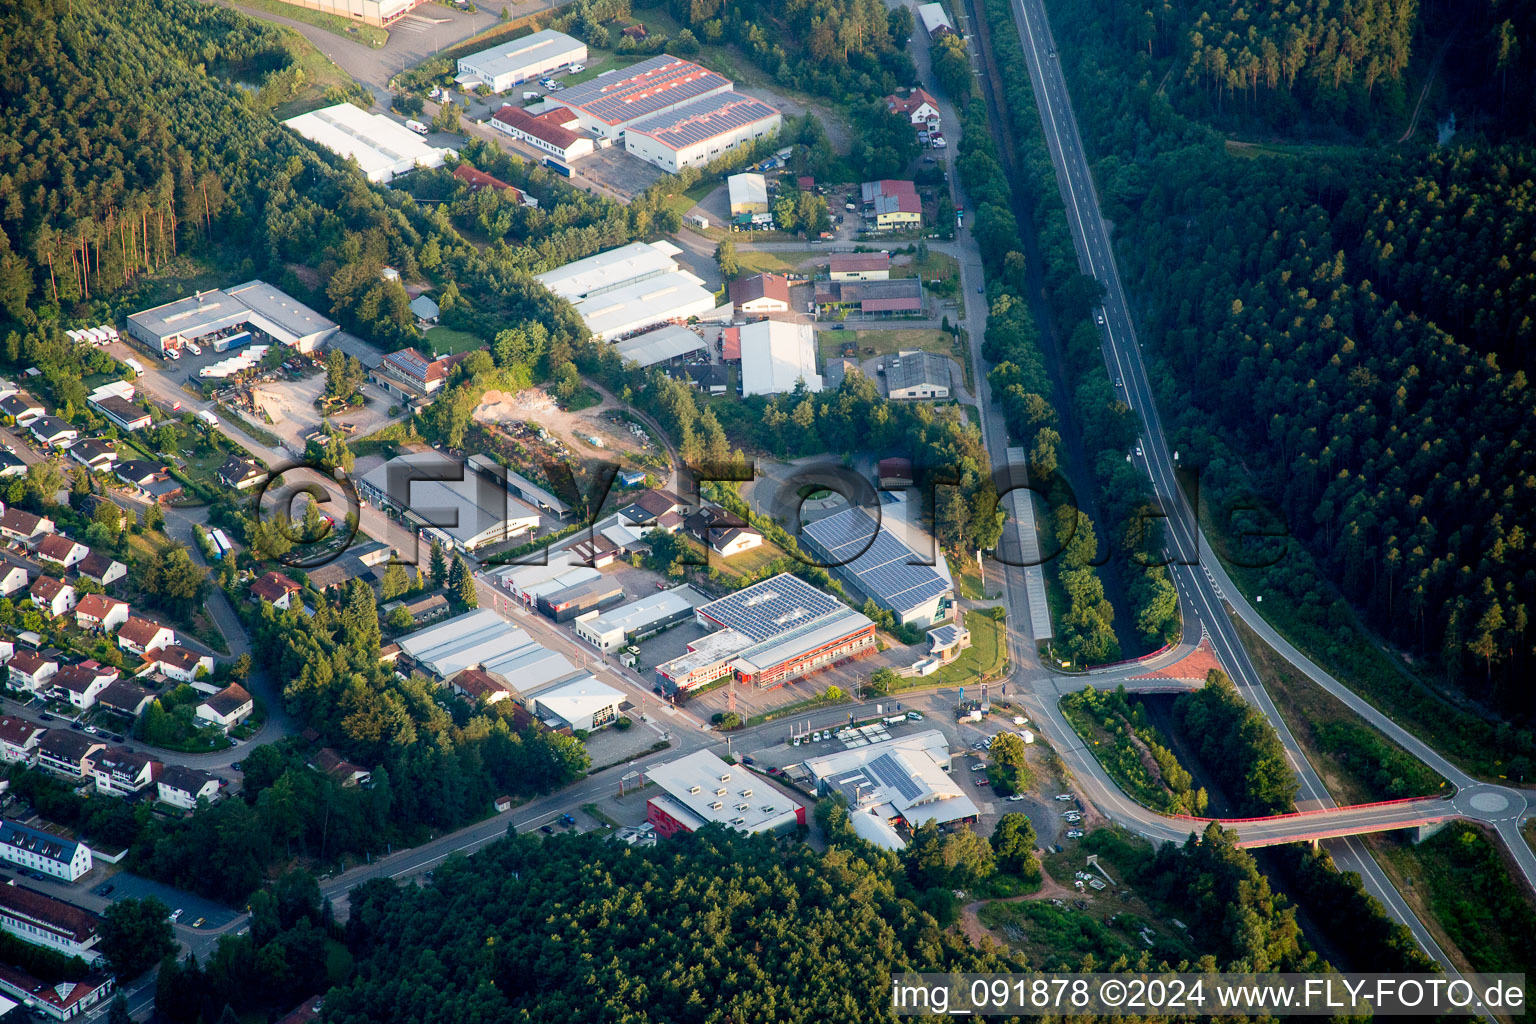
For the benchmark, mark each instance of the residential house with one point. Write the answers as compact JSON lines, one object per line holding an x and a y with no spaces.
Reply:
{"x":761,"y":293}
{"x":140,"y":636}
{"x":52,"y":431}
{"x":16,"y":524}
{"x":14,"y":576}
{"x":83,"y":682}
{"x":104,"y":569}
{"x":651,"y":506}
{"x":710,"y":378}
{"x":36,"y":850}
{"x":178,"y":663}
{"x":343,"y":771}
{"x":31,"y":670}
{"x":918,"y":107}
{"x":126,"y":414}
{"x":859,"y":266}
{"x":275,"y":589}
{"x":422,"y":610}
{"x":125,"y":697}
{"x":227,"y":708}
{"x":18,"y":740}
{"x":479,"y":686}
{"x":52,"y":595}
{"x":183,"y":787}
{"x":411,"y":375}
{"x":11,"y":464}
{"x":120,"y":771}
{"x":98,"y":611}
{"x":597,"y":551}
{"x":241,"y":473}
{"x":892,"y":204}
{"x":61,"y":550}
{"x":153,"y":479}
{"x":22,"y":408}
{"x":40,"y":919}
{"x":94,"y":454}
{"x":69,"y":753}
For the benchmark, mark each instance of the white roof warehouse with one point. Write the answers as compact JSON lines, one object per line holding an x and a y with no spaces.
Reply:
{"x":381,"y":146}
{"x":523,"y":60}
{"x":464,"y":505}
{"x":252,"y":304}
{"x":701,"y":788}
{"x":624,"y":290}
{"x":698,"y":132}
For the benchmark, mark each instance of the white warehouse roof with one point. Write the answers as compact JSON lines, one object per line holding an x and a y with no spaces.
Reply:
{"x":659,"y":345}
{"x":382,"y":146}
{"x":775,"y":354}
{"x":537,"y":52}
{"x":578,"y":700}
{"x":465,"y":641}
{"x":715,"y":791}
{"x":606,"y":271}
{"x":637,"y":615}
{"x":749,"y":192}
{"x":675,"y":295}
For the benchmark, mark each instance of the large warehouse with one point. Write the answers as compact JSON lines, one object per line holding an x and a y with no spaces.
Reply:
{"x":624,"y":290}
{"x":749,"y":197}
{"x":370,"y":12}
{"x":696,"y":133}
{"x":769,"y":634}
{"x":253,"y":311}
{"x":522,"y":60}
{"x":581,"y":703}
{"x":431,"y":490}
{"x":776,"y":355}
{"x":699,"y":789}
{"x":382,"y":146}
{"x":662,"y":345}
{"x":900,"y":781}
{"x":608,"y":105}
{"x":875,"y":560}
{"x":608,"y":631}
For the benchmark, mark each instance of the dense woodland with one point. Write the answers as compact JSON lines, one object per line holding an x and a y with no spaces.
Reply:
{"x":1343,"y":339}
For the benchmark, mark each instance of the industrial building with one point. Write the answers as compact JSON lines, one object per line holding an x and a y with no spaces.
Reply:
{"x":917,"y":374}
{"x":521,"y":60}
{"x":608,"y":631}
{"x":610,"y":104}
{"x":700,"y":789}
{"x":749,"y":199}
{"x":698,"y":132}
{"x":582,"y":703}
{"x":875,"y":560}
{"x":413,"y":376}
{"x":776,"y":355}
{"x":935,"y":22}
{"x":624,"y":290}
{"x":859,"y":266}
{"x":899,"y":781}
{"x":382,"y":13}
{"x":891,"y":204}
{"x":382,"y":146}
{"x":760,"y":294}
{"x":902,"y":296}
{"x":553,"y":131}
{"x":231,"y":317}
{"x":769,"y":634}
{"x":590,"y":595}
{"x":44,"y":921}
{"x":483,"y":640}
{"x":659,"y":346}
{"x":463,"y":506}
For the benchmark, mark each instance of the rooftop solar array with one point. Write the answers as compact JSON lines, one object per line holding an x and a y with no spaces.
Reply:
{"x":645,"y":88}
{"x":704,"y":119}
{"x":771,"y":608}
{"x":881,"y":567}
{"x":890,"y":773}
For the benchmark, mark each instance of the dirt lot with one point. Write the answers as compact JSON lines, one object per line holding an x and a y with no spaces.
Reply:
{"x":289,"y":405}
{"x":574,"y":430}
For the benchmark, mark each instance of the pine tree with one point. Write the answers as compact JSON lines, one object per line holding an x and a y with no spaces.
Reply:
{"x":438,"y":564}
{"x":395,"y":582}
{"x":465,"y":589}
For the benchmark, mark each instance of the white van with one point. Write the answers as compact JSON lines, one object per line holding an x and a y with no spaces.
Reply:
{"x":417,"y":127}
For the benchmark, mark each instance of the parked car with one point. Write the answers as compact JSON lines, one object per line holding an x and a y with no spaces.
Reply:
{"x":546,"y":830}
{"x":577,"y":69}
{"x":1075,"y":833}
{"x":1063,"y":796}
{"x":982,"y":781}
{"x":914,"y":716}
{"x":176,"y":915}
{"x":77,"y":727}
{"x":748,"y":760}
{"x":1016,"y":798}
{"x":978,"y":767}
{"x":236,"y":766}
{"x":199,"y":922}
{"x":45,"y":716}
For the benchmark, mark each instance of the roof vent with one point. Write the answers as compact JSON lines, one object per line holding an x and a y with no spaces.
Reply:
{"x":746,"y":792}
{"x":693,"y":789}
{"x":717,"y":805}
{"x":720,"y":791}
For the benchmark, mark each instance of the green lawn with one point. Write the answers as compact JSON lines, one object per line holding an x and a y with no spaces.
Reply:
{"x":936,"y":266}
{"x":758,"y":262}
{"x":446,"y":341}
{"x":983,"y":659}
{"x":368,"y":35}
{"x":885,"y":343}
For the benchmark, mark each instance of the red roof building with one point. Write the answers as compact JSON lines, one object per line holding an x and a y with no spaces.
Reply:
{"x":478,"y":179}
{"x":548,"y":131}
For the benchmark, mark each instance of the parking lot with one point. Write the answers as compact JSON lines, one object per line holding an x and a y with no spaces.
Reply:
{"x":620,"y":170}
{"x":193,"y":908}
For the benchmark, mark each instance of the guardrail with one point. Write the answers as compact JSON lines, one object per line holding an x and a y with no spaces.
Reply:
{"x":1315,"y":812}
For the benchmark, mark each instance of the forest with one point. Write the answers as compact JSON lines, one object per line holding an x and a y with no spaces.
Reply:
{"x":1341,"y":343}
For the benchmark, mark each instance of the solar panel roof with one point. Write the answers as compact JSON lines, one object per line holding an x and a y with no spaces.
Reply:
{"x":889,"y":773}
{"x":704,"y":119}
{"x":644,"y":89}
{"x":882,"y":567}
{"x":771,"y":608}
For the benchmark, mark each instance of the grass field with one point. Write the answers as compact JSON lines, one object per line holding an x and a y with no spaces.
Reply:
{"x":758,"y":262}
{"x":884,"y":343}
{"x":368,"y":35}
{"x":446,"y":341}
{"x":983,"y":659}
{"x":936,"y":266}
